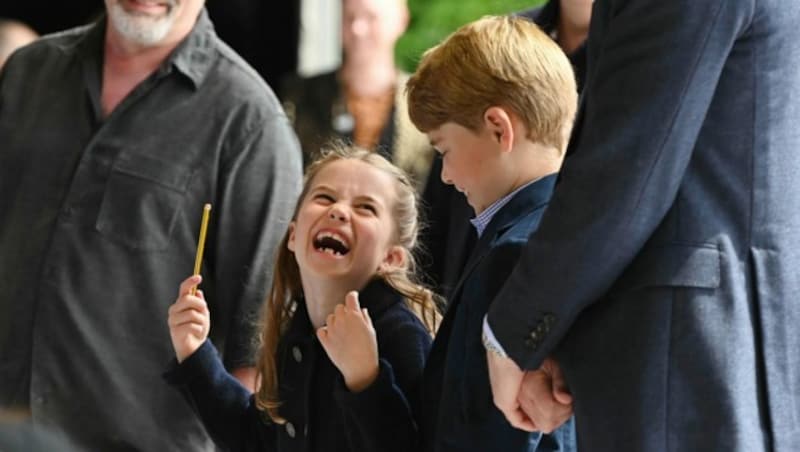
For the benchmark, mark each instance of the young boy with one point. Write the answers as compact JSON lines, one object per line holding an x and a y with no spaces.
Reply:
{"x":497,"y":100}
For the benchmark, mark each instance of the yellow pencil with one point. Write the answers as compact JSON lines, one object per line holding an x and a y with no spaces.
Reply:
{"x":201,"y":241}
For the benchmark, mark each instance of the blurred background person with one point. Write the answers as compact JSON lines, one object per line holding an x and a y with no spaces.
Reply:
{"x":362,"y":101}
{"x":13,"y":35}
{"x":567,"y":22}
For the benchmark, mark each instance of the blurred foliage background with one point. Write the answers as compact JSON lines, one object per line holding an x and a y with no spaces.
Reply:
{"x":433,"y":20}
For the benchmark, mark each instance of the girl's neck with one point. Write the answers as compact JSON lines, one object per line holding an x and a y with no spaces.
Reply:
{"x":322,"y":296}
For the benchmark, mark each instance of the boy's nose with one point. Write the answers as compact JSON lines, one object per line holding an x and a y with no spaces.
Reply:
{"x":445,"y":177}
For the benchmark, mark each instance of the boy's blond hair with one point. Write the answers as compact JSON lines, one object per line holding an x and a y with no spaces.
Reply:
{"x":500,"y":61}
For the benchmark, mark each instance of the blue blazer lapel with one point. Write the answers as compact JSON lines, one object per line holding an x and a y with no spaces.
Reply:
{"x":527,"y":200}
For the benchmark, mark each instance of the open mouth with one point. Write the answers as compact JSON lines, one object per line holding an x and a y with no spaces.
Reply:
{"x":331,"y":243}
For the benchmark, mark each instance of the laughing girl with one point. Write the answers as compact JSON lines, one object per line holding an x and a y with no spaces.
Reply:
{"x":344,"y":270}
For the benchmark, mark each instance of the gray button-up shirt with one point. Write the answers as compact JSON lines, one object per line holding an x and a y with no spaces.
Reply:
{"x":99,"y":219}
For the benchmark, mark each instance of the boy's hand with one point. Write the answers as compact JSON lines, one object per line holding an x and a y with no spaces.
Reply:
{"x":189,"y":320}
{"x":506,"y":378}
{"x":349,"y":339}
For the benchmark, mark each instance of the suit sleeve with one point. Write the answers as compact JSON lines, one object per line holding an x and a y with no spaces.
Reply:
{"x":651,"y":80}
{"x":258,"y":186}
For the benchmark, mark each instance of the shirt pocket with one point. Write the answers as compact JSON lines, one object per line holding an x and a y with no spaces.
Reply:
{"x":141,"y":201}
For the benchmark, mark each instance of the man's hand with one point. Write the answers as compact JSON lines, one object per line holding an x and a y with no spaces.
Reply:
{"x":506,"y":378}
{"x":348,"y":338}
{"x":544,"y":398}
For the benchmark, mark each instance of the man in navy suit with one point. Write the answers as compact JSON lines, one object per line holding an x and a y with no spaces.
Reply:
{"x":664,"y":275}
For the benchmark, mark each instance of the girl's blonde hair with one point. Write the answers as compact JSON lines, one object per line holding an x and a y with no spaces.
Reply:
{"x":287,"y":287}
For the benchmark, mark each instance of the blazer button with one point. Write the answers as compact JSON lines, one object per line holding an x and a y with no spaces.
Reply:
{"x":549,"y":320}
{"x":298,"y":355}
{"x":531,"y":343}
{"x":290,"y":430}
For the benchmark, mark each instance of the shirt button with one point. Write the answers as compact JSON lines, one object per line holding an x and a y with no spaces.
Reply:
{"x":290,"y":429}
{"x":298,"y":355}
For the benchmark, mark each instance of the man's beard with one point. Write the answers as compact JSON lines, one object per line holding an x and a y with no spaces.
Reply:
{"x":141,"y":29}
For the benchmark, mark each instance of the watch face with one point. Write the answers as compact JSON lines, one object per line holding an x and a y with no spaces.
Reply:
{"x":343,"y":123}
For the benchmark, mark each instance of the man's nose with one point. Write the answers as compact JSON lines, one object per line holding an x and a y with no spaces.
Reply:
{"x":359,"y":26}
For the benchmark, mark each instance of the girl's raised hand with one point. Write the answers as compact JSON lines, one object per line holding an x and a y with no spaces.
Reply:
{"x":189,"y":320}
{"x":349,"y":340}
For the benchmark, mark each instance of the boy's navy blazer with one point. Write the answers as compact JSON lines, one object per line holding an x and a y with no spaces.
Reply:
{"x":458,"y":412}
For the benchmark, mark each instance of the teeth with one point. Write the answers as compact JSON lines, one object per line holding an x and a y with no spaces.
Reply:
{"x":332,"y":235}
{"x":331,"y":243}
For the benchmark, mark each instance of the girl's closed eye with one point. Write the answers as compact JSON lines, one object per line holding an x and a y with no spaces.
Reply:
{"x":368,"y":208}
{"x":324,"y":198}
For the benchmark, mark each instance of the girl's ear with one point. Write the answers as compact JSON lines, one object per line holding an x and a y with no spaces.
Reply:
{"x":290,"y":240}
{"x":395,"y":258}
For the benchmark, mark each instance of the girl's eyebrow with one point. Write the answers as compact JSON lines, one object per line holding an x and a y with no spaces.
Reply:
{"x":322,"y":187}
{"x":359,"y":198}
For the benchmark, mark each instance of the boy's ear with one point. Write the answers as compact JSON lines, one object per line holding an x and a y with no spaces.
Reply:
{"x":290,"y":240}
{"x":395,"y":258}
{"x":497,"y":121}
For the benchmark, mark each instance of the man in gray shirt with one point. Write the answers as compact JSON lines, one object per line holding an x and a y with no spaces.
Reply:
{"x":112,"y":137}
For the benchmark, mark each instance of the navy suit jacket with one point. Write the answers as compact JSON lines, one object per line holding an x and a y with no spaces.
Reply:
{"x":665,"y":273}
{"x":458,"y":413}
